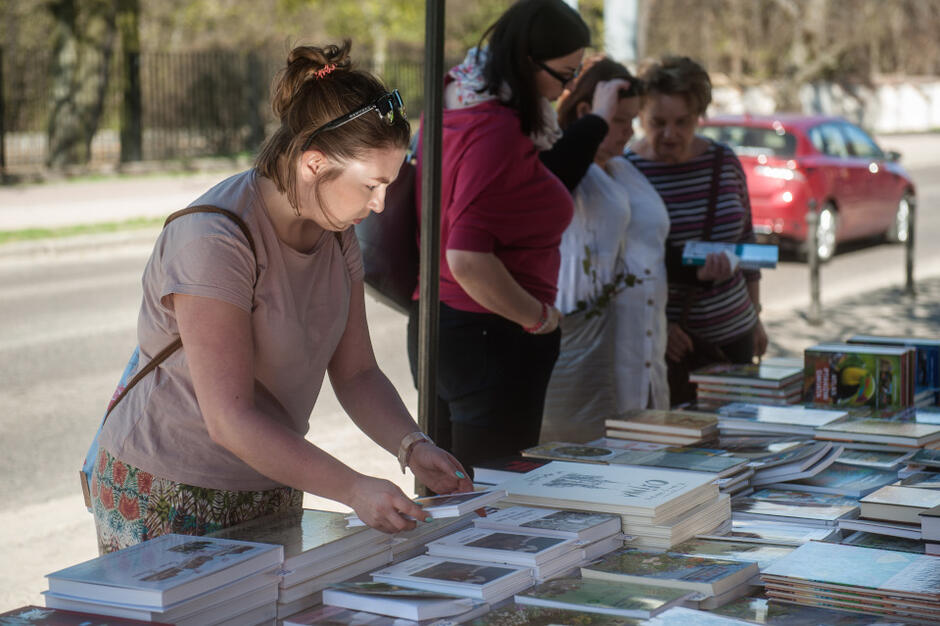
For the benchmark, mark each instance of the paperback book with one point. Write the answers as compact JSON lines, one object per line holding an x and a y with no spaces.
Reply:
{"x":681,"y":423}
{"x":879,"y":377}
{"x":713,"y":464}
{"x":572,"y":452}
{"x":748,"y":374}
{"x":495,"y":471}
{"x":846,"y":480}
{"x":791,"y":512}
{"x":448,"y":505}
{"x":762,"y":554}
{"x":865,"y":539}
{"x":744,"y":255}
{"x":906,"y":434}
{"x":775,"y":533}
{"x":498,"y":546}
{"x":603,"y":597}
{"x":395,"y":601}
{"x":483,"y":581}
{"x":898,"y":504}
{"x":45,"y":616}
{"x":582,"y":526}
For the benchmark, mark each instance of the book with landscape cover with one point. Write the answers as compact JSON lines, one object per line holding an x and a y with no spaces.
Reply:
{"x":791,"y":512}
{"x":680,"y":423}
{"x":765,"y":418}
{"x":565,"y":451}
{"x":803,"y":497}
{"x":501,"y":546}
{"x":893,"y":529}
{"x":843,"y":479}
{"x":856,"y":375}
{"x":165,"y":570}
{"x":473,"y":579}
{"x":775,"y":533}
{"x":603,"y":597}
{"x":626,"y":444}
{"x":798,"y":456}
{"x":898,"y":504}
{"x":404,"y":602}
{"x":889,"y":461}
{"x":668,"y":569}
{"x":790,"y":472}
{"x":713,"y":464}
{"x":883,"y":542}
{"x":762,"y":554}
{"x":516,"y":614}
{"x":583,"y":526}
{"x":654,"y":493}
{"x":750,"y":374}
{"x":449,"y":505}
{"x":45,"y":616}
{"x":927,"y":458}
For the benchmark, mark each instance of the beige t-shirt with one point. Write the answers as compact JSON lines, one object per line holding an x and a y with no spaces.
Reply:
{"x":299,"y":307}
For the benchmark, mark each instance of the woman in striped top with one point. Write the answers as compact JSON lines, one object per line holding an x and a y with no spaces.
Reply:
{"x":713,"y":305}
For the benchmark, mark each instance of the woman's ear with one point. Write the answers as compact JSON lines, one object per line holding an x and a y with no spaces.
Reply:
{"x":311,"y":163}
{"x":582,"y":108}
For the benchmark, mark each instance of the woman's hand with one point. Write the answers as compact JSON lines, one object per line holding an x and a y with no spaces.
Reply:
{"x":438,"y":469}
{"x":606,"y":97}
{"x":551,"y":323}
{"x":717,"y":267}
{"x":678,"y":343}
{"x":760,"y":339}
{"x":382,"y":505}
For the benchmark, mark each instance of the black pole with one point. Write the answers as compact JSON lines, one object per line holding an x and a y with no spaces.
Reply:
{"x":3,"y":153}
{"x":909,"y":247}
{"x":814,"y":315}
{"x":428,"y":310}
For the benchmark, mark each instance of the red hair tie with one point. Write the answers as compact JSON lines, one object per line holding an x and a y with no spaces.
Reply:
{"x":326,"y":70}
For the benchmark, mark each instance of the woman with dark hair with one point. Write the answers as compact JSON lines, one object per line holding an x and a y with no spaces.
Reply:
{"x":265,"y":293}
{"x":612,"y":283}
{"x":712,"y":310}
{"x":502,"y":215}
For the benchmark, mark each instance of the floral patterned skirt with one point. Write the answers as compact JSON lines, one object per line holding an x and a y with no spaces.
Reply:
{"x":131,"y":505}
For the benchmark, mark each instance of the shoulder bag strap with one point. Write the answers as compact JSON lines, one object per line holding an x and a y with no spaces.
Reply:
{"x":710,"y":211}
{"x":177,"y":343}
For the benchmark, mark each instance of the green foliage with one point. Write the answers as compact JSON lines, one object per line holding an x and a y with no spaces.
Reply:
{"x":603,"y":293}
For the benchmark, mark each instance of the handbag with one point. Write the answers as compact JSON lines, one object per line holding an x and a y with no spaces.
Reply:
{"x":704,"y":352}
{"x":127,"y":382}
{"x":388,"y":241}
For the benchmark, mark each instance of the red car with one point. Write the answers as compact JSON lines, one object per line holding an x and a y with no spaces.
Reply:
{"x":794,"y":162}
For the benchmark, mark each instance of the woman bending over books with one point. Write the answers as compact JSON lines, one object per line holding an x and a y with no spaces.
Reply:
{"x":612,"y":282}
{"x":712,"y":310}
{"x":215,"y":435}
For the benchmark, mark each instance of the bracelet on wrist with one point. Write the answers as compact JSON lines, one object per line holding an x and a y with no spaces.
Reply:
{"x":542,"y":323}
{"x":408,"y":443}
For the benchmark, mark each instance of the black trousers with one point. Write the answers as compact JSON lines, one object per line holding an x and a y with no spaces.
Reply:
{"x":681,"y":390}
{"x":491,"y":383}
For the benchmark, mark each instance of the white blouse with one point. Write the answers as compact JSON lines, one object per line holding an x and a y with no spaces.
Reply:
{"x":622,"y":220}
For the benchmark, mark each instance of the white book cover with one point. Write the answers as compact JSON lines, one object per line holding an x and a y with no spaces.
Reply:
{"x":395,"y":601}
{"x":164,"y":570}
{"x":499,"y":546}
{"x":628,"y":490}
{"x":449,"y":505}
{"x":580,"y":525}
{"x":472,"y":579}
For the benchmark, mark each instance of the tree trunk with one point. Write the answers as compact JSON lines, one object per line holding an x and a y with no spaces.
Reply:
{"x":128,"y":20}
{"x":84,"y":43}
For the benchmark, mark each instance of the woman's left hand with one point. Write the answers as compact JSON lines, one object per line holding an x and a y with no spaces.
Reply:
{"x":760,"y":339}
{"x":438,"y":470}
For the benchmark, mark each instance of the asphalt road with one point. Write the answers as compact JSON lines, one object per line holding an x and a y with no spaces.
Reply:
{"x":67,"y":326}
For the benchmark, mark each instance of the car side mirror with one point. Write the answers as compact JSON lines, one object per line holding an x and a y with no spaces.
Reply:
{"x":893,"y":155}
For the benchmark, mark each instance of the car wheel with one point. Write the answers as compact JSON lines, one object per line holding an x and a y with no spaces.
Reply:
{"x":825,"y":235}
{"x":897,"y":232}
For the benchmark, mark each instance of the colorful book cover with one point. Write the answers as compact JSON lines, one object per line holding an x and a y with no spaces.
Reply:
{"x":866,"y":568}
{"x":572,"y":452}
{"x":846,"y":480}
{"x":884,"y":542}
{"x":622,"y":599}
{"x":749,"y":255}
{"x":928,"y":356}
{"x":711,"y":576}
{"x":803,"y":497}
{"x":762,"y":554}
{"x":797,"y":513}
{"x":841,"y":378}
{"x":874,"y":458}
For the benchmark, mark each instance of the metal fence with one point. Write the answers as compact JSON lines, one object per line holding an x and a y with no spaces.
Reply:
{"x":193,"y":104}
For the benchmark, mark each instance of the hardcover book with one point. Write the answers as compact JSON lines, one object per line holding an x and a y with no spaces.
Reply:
{"x":164,"y":570}
{"x":911,"y":434}
{"x":883,"y":542}
{"x":495,"y":471}
{"x":44,"y":616}
{"x":583,"y":526}
{"x":669,"y":569}
{"x":682,"y":423}
{"x":449,"y":505}
{"x":498,"y":546}
{"x":898,"y":504}
{"x":790,"y":512}
{"x":855,"y":375}
{"x":602,"y":597}
{"x":650,"y":492}
{"x":754,"y":375}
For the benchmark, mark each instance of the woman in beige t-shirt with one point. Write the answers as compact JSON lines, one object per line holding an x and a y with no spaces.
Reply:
{"x":215,"y":435}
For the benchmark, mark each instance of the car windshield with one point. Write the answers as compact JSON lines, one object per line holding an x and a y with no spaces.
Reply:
{"x":751,"y":141}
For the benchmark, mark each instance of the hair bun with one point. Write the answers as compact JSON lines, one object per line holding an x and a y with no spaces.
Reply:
{"x":306,"y":63}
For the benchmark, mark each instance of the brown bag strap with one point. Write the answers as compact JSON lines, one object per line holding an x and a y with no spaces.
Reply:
{"x":710,"y":210}
{"x":177,"y":343}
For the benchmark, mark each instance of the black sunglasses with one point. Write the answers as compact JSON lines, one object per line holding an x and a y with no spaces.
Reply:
{"x":385,"y":105}
{"x":564,"y":80}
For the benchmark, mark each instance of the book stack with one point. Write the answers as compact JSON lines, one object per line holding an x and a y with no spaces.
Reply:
{"x":493,"y":472}
{"x":894,"y":510}
{"x":178,"y":579}
{"x":930,"y":530}
{"x":658,"y":507}
{"x":675,"y":428}
{"x":927,"y":370}
{"x":747,"y":418}
{"x":319,"y":550}
{"x":448,"y":505}
{"x":762,"y":554}
{"x":875,"y":434}
{"x":602,"y":597}
{"x":27,"y":615}
{"x":772,"y":533}
{"x":411,"y":543}
{"x":715,"y":581}
{"x":487,"y":582}
{"x":844,"y":374}
{"x":329,"y":615}
{"x":394,"y":601}
{"x":864,"y":580}
{"x":761,"y":384}
{"x":839,"y":479}
{"x":802,"y":512}
{"x":596,"y":534}
{"x":794,"y":463}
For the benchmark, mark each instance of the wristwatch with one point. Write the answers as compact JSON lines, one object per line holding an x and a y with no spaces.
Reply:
{"x":408,"y":442}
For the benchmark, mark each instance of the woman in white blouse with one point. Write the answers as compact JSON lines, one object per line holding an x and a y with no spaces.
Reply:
{"x":612,"y":283}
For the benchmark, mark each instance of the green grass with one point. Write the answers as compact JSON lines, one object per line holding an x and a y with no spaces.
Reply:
{"x":30,"y":234}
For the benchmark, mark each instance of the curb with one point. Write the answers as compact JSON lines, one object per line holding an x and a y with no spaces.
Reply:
{"x":78,"y":244}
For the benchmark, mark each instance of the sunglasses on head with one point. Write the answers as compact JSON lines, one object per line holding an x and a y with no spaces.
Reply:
{"x":564,"y":80}
{"x":385,"y":105}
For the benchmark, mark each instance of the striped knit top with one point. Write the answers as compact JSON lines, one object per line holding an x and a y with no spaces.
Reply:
{"x":721,"y":311}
